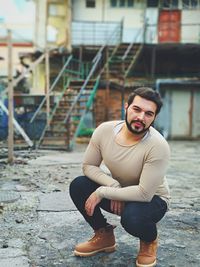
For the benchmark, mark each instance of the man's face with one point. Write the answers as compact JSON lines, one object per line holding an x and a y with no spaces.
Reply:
{"x":140,"y":115}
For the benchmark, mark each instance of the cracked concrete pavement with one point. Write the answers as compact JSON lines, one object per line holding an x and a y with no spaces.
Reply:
{"x":40,"y":225}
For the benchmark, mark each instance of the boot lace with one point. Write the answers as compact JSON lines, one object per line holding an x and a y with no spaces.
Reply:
{"x":97,"y":236}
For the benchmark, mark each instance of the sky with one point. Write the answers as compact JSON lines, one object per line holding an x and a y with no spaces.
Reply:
{"x":21,"y":14}
{"x":17,"y":11}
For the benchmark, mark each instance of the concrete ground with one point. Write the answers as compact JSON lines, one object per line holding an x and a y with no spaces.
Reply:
{"x":39,"y":224}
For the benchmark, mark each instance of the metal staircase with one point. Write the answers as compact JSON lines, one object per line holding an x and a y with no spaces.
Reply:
{"x":123,"y":60}
{"x":73,"y":102}
{"x":66,"y":121}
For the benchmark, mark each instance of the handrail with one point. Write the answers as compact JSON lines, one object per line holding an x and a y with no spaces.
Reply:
{"x":51,"y":88}
{"x":107,"y":42}
{"x":88,"y":104}
{"x":140,"y":31}
{"x":83,"y":87}
{"x":53,"y":112}
{"x":60,"y":97}
{"x":133,"y":61}
{"x":91,"y":97}
{"x":82,"y":35}
{"x":132,"y":43}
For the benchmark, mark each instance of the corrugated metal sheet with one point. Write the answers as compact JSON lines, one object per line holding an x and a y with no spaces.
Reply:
{"x":179,"y":118}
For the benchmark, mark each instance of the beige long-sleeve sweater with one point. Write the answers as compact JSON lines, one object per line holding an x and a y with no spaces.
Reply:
{"x":137,"y":171}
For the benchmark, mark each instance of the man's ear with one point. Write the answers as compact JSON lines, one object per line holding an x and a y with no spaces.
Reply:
{"x":126,"y":105}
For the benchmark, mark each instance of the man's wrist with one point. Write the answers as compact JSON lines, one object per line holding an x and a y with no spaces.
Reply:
{"x":115,"y":184}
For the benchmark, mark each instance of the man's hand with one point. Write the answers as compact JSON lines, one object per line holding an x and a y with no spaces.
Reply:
{"x":116,"y":206}
{"x":91,"y":203}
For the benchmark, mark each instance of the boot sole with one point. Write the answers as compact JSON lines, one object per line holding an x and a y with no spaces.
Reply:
{"x":88,"y":254}
{"x":146,"y":265}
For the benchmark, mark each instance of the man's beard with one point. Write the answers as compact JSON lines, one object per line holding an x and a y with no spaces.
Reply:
{"x":138,"y":132}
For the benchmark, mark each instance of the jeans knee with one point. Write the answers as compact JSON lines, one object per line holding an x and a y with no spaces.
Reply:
{"x":75,"y":185}
{"x":131,"y":224}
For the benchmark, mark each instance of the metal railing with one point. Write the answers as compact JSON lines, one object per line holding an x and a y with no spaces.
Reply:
{"x":141,"y":32}
{"x":51,"y":88}
{"x":95,"y":33}
{"x":88,"y":105}
{"x":92,"y":71}
{"x":53,"y":112}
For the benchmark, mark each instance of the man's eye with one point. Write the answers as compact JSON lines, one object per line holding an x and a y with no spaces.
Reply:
{"x":149,"y":114}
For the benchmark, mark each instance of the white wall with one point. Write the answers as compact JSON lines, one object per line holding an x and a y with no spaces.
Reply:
{"x":133,"y":17}
{"x":151,"y":15}
{"x":190,"y":33}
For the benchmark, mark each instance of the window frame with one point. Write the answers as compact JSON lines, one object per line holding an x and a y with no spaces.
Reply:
{"x":119,"y":4}
{"x":89,"y":2}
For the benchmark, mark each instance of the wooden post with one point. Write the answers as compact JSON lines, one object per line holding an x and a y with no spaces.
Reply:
{"x":10,"y":101}
{"x":47,"y":86}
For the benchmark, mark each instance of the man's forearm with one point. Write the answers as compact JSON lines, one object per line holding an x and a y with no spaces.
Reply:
{"x":99,"y":176}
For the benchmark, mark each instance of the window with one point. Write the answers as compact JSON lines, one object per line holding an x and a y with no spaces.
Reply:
{"x":121,"y":3}
{"x":190,"y":4}
{"x":152,"y":3}
{"x":130,"y":3}
{"x":113,"y":3}
{"x":90,"y":3}
{"x":170,"y":4}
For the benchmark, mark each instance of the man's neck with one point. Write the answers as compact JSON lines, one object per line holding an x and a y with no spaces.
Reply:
{"x":125,"y":137}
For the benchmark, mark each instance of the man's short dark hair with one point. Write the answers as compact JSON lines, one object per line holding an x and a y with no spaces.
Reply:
{"x":147,"y":93}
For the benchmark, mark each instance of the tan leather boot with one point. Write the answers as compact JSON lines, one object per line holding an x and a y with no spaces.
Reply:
{"x":147,"y":254}
{"x":103,"y":240}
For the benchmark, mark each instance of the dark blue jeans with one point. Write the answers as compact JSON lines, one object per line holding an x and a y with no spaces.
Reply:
{"x":138,"y":218}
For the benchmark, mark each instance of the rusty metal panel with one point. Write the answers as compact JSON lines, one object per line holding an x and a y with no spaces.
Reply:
{"x":169,"y":26}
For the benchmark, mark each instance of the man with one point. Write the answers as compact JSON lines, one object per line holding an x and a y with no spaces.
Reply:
{"x":137,"y":156}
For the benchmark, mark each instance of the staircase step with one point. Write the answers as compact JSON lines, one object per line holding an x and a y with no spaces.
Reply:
{"x":68,"y":101}
{"x":63,"y":110}
{"x":74,"y":92}
{"x":58,"y":119}
{"x":56,"y":134}
{"x":54,"y":141}
{"x":65,"y":147}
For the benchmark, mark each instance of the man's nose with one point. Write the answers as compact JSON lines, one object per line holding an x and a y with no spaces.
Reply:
{"x":141,"y":116}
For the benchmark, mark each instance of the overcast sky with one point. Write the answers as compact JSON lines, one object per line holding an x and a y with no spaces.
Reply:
{"x":21,"y":14}
{"x":17,"y":11}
